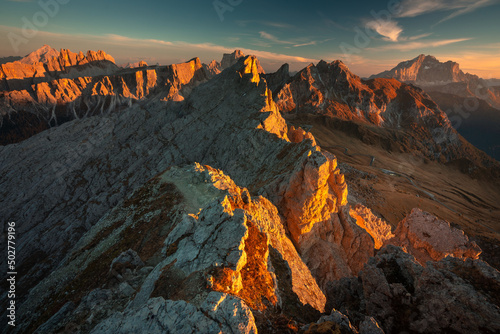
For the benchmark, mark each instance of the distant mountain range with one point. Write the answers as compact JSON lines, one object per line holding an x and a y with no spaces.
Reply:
{"x":472,"y":103}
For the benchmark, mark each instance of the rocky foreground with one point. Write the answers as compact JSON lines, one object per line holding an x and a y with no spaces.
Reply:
{"x":198,"y":209}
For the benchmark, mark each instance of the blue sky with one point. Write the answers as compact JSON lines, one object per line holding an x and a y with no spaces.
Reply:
{"x":370,"y":36}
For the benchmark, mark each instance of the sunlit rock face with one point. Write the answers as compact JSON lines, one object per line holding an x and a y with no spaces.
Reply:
{"x":332,"y":89}
{"x":328,"y":239}
{"x":428,"y":238}
{"x":228,"y":59}
{"x":189,"y":240}
{"x":72,"y":86}
{"x":379,"y":230}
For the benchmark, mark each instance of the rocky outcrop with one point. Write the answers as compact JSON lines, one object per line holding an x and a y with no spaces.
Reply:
{"x":379,"y":230}
{"x":315,"y":206}
{"x":428,"y":238}
{"x":276,"y":80}
{"x":452,"y":295}
{"x":297,"y":135}
{"x":209,"y":255}
{"x":228,"y":60}
{"x":212,"y":69}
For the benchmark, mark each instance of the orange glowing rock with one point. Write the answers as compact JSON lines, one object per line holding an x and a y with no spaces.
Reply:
{"x":251,"y":279}
{"x":251,"y":67}
{"x":311,"y":197}
{"x":298,"y":135}
{"x":376,"y":227}
{"x":428,"y":238}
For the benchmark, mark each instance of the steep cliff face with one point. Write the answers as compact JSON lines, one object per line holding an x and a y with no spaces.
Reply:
{"x":42,"y":66}
{"x":434,"y":76}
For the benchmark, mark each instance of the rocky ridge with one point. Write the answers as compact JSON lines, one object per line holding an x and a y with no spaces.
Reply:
{"x":51,"y":97}
{"x":390,"y":111}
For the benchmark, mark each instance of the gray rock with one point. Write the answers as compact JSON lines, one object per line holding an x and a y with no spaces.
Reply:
{"x":57,"y":321}
{"x":451,"y":295}
{"x":370,"y":326}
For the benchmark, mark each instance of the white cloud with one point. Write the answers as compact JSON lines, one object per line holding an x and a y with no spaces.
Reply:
{"x":273,"y":38}
{"x":128,"y":40}
{"x":414,"y":38}
{"x":412,"y":8}
{"x":306,"y":44}
{"x":389,"y":29}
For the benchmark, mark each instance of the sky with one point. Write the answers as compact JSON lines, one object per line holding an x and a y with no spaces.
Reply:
{"x":369,"y":36}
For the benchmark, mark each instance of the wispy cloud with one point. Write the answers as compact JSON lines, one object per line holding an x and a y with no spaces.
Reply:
{"x":281,"y":25}
{"x":389,"y":29}
{"x":418,"y":45}
{"x":273,"y":38}
{"x":414,"y":38}
{"x":277,"y":24}
{"x":306,"y":44}
{"x":313,"y":42}
{"x":412,"y":8}
{"x":128,"y":40}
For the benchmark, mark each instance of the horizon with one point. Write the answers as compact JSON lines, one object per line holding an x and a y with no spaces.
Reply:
{"x":368,"y":37}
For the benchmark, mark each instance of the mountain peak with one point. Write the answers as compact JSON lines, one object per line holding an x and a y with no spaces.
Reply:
{"x":42,"y":55}
{"x":425,"y":69}
{"x":229,"y":59}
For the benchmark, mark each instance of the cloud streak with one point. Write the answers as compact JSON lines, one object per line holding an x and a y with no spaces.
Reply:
{"x":412,"y":8}
{"x":273,"y":38}
{"x":418,"y":45}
